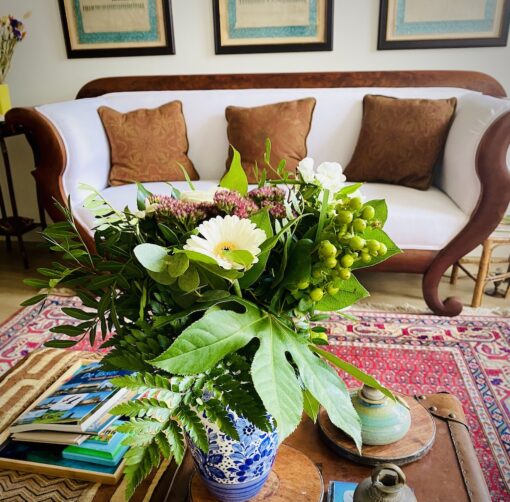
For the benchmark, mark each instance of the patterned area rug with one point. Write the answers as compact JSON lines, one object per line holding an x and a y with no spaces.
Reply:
{"x":468,"y":356}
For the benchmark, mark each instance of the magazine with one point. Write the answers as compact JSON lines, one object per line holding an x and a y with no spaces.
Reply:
{"x":79,"y":403}
{"x":341,"y":491}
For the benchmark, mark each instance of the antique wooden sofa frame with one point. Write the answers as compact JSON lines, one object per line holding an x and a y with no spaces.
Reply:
{"x":491,"y":167}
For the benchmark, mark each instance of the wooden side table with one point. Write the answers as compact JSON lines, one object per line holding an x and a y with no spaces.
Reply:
{"x":15,"y":225}
{"x":500,"y":237}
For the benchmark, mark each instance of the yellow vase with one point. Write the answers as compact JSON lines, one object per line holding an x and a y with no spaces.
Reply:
{"x":5,"y":99}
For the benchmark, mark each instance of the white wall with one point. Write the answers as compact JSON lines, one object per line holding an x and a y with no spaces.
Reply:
{"x":41,"y":72}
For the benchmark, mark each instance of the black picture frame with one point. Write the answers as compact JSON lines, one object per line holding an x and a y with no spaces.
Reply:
{"x":327,"y":45}
{"x":447,"y":43}
{"x":167,"y":49}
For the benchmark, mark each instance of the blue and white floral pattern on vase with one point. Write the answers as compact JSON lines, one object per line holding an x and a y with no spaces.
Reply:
{"x":235,"y":471}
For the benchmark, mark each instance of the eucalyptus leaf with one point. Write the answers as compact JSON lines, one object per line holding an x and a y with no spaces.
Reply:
{"x":152,"y":256}
{"x":177,"y":264}
{"x":189,"y":280}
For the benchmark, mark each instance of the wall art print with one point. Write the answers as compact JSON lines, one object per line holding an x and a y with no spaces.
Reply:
{"x":248,"y":26}
{"x":419,"y":24}
{"x":105,"y":28}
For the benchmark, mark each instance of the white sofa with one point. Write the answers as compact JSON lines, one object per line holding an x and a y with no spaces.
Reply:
{"x":423,"y":223}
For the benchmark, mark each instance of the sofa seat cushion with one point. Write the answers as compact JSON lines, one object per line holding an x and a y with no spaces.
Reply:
{"x":417,"y":219}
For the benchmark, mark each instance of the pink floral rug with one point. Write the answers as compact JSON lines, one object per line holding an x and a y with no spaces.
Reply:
{"x":468,"y":356}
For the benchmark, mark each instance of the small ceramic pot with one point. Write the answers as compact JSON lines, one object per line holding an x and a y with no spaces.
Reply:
{"x":235,"y":471}
{"x":383,"y":421}
{"x":386,"y":484}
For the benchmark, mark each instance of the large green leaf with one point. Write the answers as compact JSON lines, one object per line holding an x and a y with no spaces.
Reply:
{"x":152,"y":256}
{"x":141,"y":196}
{"x":353,"y":371}
{"x":381,"y":209}
{"x":275,"y":380}
{"x":326,"y":386}
{"x":300,"y":263}
{"x":207,"y":341}
{"x":350,"y":292}
{"x":235,"y":178}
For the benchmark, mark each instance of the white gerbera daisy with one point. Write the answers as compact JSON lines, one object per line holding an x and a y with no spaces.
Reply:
{"x":227,"y":233}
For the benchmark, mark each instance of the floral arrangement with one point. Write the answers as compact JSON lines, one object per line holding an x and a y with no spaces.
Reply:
{"x":219,"y":294}
{"x":12,"y":31}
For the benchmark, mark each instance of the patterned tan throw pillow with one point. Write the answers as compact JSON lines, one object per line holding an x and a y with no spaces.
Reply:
{"x":147,"y":144}
{"x":286,"y":124}
{"x":400,"y":140}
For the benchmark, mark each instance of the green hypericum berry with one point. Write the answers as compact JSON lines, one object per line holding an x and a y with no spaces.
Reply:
{"x":316,"y":273}
{"x":366,"y":258}
{"x":341,"y":230}
{"x":347,"y":261}
{"x":355,"y":203}
{"x":345,"y":274}
{"x":368,"y":213}
{"x":344,"y":217}
{"x":356,"y":243}
{"x":316,"y":294}
{"x":373,"y":245}
{"x":331,"y":262}
{"x":303,"y":284}
{"x":327,"y":249}
{"x":332,"y":289}
{"x":382,"y":249}
{"x":359,"y":225}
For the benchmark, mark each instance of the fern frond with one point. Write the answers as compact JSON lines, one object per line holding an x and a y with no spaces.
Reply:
{"x":174,"y":435}
{"x":163,"y":444}
{"x":217,"y":413}
{"x":139,"y":463}
{"x":193,"y":426}
{"x":141,"y":426}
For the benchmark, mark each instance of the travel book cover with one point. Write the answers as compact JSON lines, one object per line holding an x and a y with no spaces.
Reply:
{"x":104,"y":448}
{"x":77,"y":404}
{"x":341,"y":491}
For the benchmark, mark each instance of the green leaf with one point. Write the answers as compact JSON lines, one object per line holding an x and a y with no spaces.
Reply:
{"x":235,"y":178}
{"x":348,"y":190}
{"x":60,"y":344}
{"x":207,"y":341}
{"x":177,"y":264}
{"x":194,"y":427}
{"x":174,"y":435}
{"x":68,"y":330}
{"x":311,"y":405}
{"x":353,"y":371}
{"x":322,"y":216}
{"x":190,"y":280}
{"x":240,"y":256}
{"x":141,"y":195}
{"x":35,"y":299}
{"x":152,"y":256}
{"x":162,"y":277}
{"x":327,"y":387}
{"x":299,"y":266}
{"x":78,"y":313}
{"x":350,"y":292}
{"x":275,"y":380}
{"x":36,"y":283}
{"x":267,"y":153}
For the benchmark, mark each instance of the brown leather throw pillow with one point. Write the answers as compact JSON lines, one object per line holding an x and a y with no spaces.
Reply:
{"x":147,"y":144}
{"x":400,"y":140}
{"x":286,"y":124}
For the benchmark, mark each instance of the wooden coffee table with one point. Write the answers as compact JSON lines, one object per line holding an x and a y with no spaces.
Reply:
{"x":437,"y":477}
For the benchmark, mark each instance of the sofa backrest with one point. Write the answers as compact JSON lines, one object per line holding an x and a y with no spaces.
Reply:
{"x":335,"y":125}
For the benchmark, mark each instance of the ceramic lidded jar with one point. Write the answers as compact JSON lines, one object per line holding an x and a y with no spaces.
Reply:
{"x":383,"y":421}
{"x":386,"y":484}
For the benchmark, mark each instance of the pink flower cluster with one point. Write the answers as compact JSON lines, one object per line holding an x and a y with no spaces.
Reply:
{"x":233,"y":203}
{"x":270,"y":197}
{"x":189,"y":214}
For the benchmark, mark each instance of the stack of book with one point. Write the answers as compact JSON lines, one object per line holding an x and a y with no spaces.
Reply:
{"x":70,"y":427}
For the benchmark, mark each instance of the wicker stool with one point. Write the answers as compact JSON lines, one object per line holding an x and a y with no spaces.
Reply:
{"x":500,"y":237}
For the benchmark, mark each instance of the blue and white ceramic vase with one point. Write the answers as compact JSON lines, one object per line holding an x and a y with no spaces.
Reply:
{"x":235,"y":471}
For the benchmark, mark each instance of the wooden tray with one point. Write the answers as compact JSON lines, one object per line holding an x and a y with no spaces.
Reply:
{"x":294,"y":478}
{"x":414,"y":445}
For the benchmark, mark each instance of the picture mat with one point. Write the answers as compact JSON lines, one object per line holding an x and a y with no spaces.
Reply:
{"x":268,"y":26}
{"x":124,"y":37}
{"x":444,"y":19}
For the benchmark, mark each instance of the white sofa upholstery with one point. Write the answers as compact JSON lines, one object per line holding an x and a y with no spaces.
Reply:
{"x":420,"y":220}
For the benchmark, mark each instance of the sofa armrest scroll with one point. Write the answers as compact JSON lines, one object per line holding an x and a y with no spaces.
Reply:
{"x":50,"y":156}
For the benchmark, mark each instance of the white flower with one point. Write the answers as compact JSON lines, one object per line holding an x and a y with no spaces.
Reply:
{"x":330,"y":176}
{"x":305,"y":168}
{"x":227,"y":233}
{"x":199,"y":195}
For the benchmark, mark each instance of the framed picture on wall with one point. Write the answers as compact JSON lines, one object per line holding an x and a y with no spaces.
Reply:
{"x":105,"y":28}
{"x":248,"y":26}
{"x":416,"y":24}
